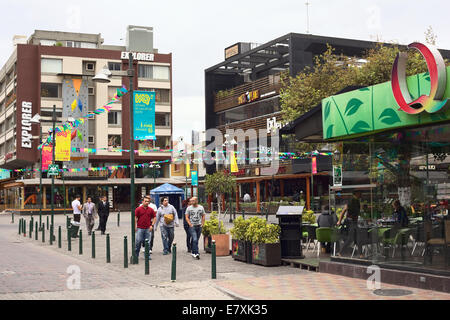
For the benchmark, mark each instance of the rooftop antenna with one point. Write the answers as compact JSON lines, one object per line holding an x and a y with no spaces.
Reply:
{"x":307,"y":16}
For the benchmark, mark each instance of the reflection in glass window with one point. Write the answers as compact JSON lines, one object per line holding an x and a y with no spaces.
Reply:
{"x":51,"y":65}
{"x":114,"y":140}
{"x":50,"y":90}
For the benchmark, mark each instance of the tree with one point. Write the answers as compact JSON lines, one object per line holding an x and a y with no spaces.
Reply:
{"x":220,"y":184}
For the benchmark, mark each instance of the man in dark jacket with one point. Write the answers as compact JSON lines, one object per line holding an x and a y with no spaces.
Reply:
{"x":103,"y":212}
{"x":327,"y":219}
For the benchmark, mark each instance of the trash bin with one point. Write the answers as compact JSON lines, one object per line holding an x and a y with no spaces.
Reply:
{"x":290,"y":222}
{"x":73,"y":229}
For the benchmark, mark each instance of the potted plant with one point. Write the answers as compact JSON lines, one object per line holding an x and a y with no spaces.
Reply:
{"x":308,"y":217}
{"x":214,"y":229}
{"x":240,"y":246}
{"x":265,"y":239}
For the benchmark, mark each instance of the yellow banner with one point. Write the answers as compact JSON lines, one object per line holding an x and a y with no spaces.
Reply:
{"x":188,"y":169}
{"x":234,"y":165}
{"x":62,"y":149}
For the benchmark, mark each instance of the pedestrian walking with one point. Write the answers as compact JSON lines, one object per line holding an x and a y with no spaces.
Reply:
{"x":351,"y":211}
{"x":103,"y":213}
{"x":186,"y":204}
{"x":90,"y":214}
{"x":145,"y":219}
{"x":195,"y":217}
{"x":167,"y":216}
{"x":75,"y":224}
{"x":152,"y":234}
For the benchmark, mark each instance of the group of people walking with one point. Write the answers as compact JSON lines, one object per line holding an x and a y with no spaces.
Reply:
{"x":91,"y":212}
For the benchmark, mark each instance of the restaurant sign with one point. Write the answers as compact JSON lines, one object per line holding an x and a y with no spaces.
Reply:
{"x":249,"y":96}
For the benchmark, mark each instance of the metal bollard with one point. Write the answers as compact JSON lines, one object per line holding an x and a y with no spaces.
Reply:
{"x":43,"y":233}
{"x":12,"y":216}
{"x":243,"y":214}
{"x":147,"y":257}
{"x":40,"y":219}
{"x":51,"y":234}
{"x":125,"y":252}
{"x":174,"y":262}
{"x":69,"y":240}
{"x":24,"y":228}
{"x":20,"y":225}
{"x":32,"y":223}
{"x":30,"y":228}
{"x":118,"y":219}
{"x":108,"y":249}
{"x":93,"y":244}
{"x":213,"y":260}
{"x":47,"y":223}
{"x":67,"y":222}
{"x":36,"y":231}
{"x":59,"y":237}
{"x":80,"y":243}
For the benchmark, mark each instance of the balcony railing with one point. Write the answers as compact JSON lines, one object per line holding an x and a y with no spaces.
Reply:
{"x":227,"y":99}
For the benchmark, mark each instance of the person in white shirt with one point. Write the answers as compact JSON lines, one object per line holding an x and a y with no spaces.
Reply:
{"x":247,"y":198}
{"x":76,"y":206}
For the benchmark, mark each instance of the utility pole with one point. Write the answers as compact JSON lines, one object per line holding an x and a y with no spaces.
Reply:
{"x":53,"y":162}
{"x":307,"y":16}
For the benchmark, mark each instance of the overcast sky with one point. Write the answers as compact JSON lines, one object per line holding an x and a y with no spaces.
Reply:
{"x":197,"y":31}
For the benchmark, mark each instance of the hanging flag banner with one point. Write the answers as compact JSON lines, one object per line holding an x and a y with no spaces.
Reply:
{"x":314,"y":165}
{"x":337,"y":175}
{"x":46,"y":156}
{"x":194,"y":177}
{"x":234,"y":165}
{"x":188,"y":168}
{"x":144,"y":115}
{"x":62,"y":148}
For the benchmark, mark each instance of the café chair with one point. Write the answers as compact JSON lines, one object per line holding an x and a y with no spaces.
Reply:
{"x":328,"y":235}
{"x":400,"y":239}
{"x":433,"y":242}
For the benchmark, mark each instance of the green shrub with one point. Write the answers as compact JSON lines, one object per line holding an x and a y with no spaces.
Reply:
{"x":308,"y":216}
{"x":212,"y":226}
{"x":259,"y":231}
{"x":240,"y":226}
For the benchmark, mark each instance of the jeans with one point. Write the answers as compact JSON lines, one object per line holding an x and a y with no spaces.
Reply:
{"x":152,"y":236}
{"x":141,"y":236}
{"x":188,"y":238}
{"x":167,"y":235}
{"x":195,"y":231}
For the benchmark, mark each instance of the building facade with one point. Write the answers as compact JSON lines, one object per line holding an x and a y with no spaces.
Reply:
{"x":243,"y":92}
{"x":54,"y":69}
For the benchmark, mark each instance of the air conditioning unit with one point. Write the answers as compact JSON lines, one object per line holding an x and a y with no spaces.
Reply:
{"x":91,"y":139}
{"x":247,"y":77}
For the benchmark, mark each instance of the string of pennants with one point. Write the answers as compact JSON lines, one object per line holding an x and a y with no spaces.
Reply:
{"x":74,"y":124}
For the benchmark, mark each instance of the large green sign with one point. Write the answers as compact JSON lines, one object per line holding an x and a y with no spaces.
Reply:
{"x":363,"y":111}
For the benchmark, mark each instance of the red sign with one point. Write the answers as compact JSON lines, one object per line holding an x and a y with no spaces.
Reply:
{"x":46,"y":157}
{"x":314,"y":165}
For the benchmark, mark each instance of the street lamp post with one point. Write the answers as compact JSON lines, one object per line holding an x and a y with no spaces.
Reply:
{"x":36,"y":119}
{"x":64,"y":189}
{"x":53,"y":162}
{"x":103,"y":77}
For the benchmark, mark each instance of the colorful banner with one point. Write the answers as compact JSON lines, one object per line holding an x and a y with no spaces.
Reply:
{"x":62,"y":149}
{"x":188,"y":169}
{"x":314,"y":165}
{"x":194,"y":176}
{"x":144,"y":115}
{"x":46,"y":156}
{"x":234,"y":165}
{"x":337,"y":176}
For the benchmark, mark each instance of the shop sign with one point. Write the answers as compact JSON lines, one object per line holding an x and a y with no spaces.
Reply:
{"x":437,"y":76}
{"x":53,"y":170}
{"x":337,"y":176}
{"x":139,"y":56}
{"x":26,"y":124}
{"x":232,"y":51}
{"x":273,"y":125}
{"x":430,"y":167}
{"x":194,"y":178}
{"x":249,"y":96}
{"x":314,"y":165}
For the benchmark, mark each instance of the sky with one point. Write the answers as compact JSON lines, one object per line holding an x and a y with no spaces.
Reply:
{"x":196,"y":32}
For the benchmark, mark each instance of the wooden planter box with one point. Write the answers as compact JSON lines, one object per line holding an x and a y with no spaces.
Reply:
{"x":241,"y":250}
{"x":266,"y":254}
{"x":222,"y":244}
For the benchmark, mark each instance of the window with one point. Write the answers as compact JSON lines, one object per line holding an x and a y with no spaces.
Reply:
{"x":177,"y":167}
{"x":162,"y":142}
{"x":47,"y":42}
{"x":90,"y":66}
{"x":91,"y":139}
{"x":161,"y":73}
{"x":114,"y":140}
{"x":50,"y":90}
{"x":114,"y":118}
{"x":161,"y":95}
{"x":73,"y":44}
{"x":114,"y":66}
{"x":88,"y":45}
{"x":51,"y":66}
{"x":91,"y":91}
{"x":154,"y":72}
{"x":162,"y":119}
{"x":145,"y":71}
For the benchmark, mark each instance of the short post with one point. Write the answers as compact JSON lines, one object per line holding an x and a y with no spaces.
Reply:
{"x":40,"y":219}
{"x":47,"y":223}
{"x":125,"y":252}
{"x":36,"y":231}
{"x":118,"y":219}
{"x":51,"y":235}
{"x":213,"y":260}
{"x":108,"y":249}
{"x":43,"y":233}
{"x":67,"y":222}
{"x":243,"y":214}
{"x":69,"y":241}
{"x":93,"y":244}
{"x":20,"y":225}
{"x":12,"y":216}
{"x":24,"y":228}
{"x":32,"y":223}
{"x":80,"y":243}
{"x":31,"y":228}
{"x":174,"y":262}
{"x":59,"y":237}
{"x":147,"y":256}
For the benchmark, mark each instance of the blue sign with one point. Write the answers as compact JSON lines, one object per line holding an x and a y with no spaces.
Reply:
{"x":4,"y":174}
{"x":144,"y":115}
{"x":194,"y":178}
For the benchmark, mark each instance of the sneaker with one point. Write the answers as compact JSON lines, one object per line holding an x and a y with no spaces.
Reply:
{"x":189,"y":251}
{"x":143,"y":250}
{"x":197,"y":256}
{"x":150,"y":251}
{"x":193,"y":255}
{"x":165,"y":253}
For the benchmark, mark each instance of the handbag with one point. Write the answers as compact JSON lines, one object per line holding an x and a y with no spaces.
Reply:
{"x":168,"y":218}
